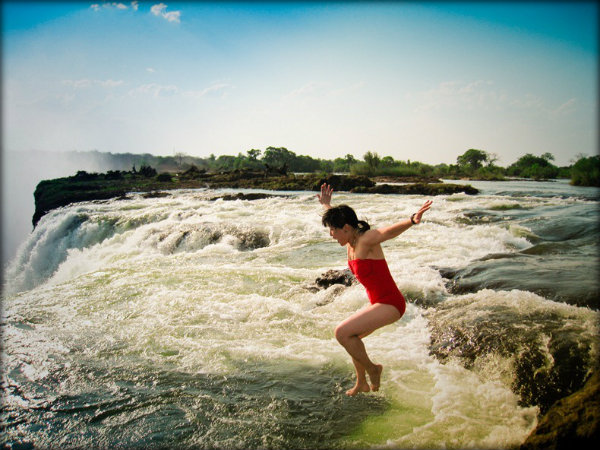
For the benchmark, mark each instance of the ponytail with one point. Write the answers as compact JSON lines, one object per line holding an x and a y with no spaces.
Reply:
{"x":363,"y":226}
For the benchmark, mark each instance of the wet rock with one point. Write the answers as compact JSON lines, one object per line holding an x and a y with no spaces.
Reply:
{"x":572,"y":422}
{"x":558,"y":277}
{"x":409,"y":179}
{"x":242,"y":196}
{"x":251,"y":239}
{"x":155,"y":194}
{"x":333,"y":276}
{"x":417,"y":189}
{"x":549,"y":347}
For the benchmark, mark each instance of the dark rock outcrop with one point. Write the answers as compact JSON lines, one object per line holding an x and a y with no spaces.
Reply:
{"x":333,"y":276}
{"x":242,"y":196}
{"x":571,"y":423}
{"x":51,"y":194}
{"x":550,"y":351}
{"x":417,"y":189}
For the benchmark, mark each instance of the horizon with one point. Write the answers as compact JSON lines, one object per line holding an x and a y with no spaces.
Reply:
{"x":360,"y":158}
{"x":415,"y":81}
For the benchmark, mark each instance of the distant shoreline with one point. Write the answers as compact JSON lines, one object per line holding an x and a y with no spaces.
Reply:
{"x":55,"y":193}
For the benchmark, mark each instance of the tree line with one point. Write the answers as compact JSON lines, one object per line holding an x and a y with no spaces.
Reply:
{"x":473,"y":164}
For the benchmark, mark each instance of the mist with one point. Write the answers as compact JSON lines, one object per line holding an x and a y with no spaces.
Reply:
{"x":21,"y":173}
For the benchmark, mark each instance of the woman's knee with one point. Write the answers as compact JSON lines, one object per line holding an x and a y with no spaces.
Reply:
{"x":341,"y":333}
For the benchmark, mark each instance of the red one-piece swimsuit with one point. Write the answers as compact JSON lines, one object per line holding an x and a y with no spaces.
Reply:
{"x":375,"y":276}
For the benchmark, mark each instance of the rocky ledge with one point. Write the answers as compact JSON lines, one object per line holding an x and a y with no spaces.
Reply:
{"x":572,"y":422}
{"x":83,"y":186}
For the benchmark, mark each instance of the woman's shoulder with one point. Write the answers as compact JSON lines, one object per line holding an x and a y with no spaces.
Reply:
{"x":370,"y":237}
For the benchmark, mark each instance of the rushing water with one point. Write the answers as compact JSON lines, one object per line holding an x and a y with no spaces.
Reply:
{"x":181,"y":321}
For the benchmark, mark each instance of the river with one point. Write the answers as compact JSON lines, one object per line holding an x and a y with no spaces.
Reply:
{"x":183,"y":321}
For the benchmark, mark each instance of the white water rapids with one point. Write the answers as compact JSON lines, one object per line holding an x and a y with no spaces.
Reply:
{"x":138,"y":321}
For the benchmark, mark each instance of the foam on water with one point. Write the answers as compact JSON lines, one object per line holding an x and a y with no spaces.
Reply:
{"x":122,"y":314}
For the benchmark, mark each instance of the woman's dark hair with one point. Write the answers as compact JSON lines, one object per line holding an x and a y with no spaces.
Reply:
{"x":340,"y":215}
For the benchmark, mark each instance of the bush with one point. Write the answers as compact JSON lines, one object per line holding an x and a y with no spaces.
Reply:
{"x":164,"y":177}
{"x":147,"y":171}
{"x":586,"y":172}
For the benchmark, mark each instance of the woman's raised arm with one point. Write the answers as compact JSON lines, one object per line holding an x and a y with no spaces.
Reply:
{"x":325,"y":197}
{"x":382,"y":234}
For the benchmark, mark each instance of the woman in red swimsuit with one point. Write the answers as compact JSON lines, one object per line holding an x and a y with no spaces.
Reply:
{"x":367,"y":263}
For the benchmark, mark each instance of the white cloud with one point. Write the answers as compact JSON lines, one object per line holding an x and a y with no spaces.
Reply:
{"x":159,"y":10}
{"x":86,"y":83}
{"x":481,"y":95}
{"x":566,"y":108}
{"x":150,"y":69}
{"x":110,"y":83}
{"x":206,"y":91}
{"x":109,"y":5}
{"x":78,"y":84}
{"x":155,"y":90}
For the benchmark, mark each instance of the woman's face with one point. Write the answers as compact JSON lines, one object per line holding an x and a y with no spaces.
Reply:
{"x":342,"y":235}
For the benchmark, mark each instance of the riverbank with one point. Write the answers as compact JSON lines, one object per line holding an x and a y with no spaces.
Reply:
{"x":52,"y":194}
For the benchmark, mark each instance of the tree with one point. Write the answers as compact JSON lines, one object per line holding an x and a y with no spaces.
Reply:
{"x":372,"y":159}
{"x":350,"y":159}
{"x":548,"y":156}
{"x":278,"y":157}
{"x":530,"y":166}
{"x":472,"y":159}
{"x":253,"y":154}
{"x":586,"y":172}
{"x":387,"y":161}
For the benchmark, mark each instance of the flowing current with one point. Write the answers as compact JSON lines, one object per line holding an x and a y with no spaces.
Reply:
{"x":184,"y":321}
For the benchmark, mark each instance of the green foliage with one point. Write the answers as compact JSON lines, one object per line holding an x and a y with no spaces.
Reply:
{"x":372,"y":162}
{"x":278,"y":156}
{"x":472,"y":159}
{"x":536,"y":167}
{"x":253,"y":154}
{"x":147,"y":171}
{"x":474,"y":163}
{"x":343,"y":164}
{"x":164,"y":177}
{"x":586,"y":172}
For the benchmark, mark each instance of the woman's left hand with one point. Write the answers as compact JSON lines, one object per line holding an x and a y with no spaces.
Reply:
{"x":419,"y":213}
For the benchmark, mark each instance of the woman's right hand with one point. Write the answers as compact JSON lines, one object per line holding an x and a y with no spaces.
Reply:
{"x":325,"y":197}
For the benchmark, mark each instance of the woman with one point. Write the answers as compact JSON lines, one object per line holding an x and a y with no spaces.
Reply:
{"x":367,"y":263}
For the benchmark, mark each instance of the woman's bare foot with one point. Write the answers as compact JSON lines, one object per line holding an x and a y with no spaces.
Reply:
{"x":358,"y":387}
{"x":375,"y":376}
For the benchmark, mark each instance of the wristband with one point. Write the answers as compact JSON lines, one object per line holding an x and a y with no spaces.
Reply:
{"x":412,"y":219}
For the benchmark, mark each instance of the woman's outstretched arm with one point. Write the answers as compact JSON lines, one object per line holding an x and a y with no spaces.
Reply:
{"x":382,"y":234}
{"x":325,"y":197}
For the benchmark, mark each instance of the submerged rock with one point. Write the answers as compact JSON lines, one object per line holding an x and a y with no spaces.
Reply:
{"x":572,"y":422}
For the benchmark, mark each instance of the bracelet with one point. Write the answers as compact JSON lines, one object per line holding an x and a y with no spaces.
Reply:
{"x":412,"y":219}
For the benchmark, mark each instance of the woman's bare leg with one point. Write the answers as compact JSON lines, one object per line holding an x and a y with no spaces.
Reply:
{"x":361,"y":323}
{"x":361,"y":380}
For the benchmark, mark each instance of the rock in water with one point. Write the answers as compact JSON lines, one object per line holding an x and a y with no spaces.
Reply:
{"x":330,"y":277}
{"x":571,"y":423}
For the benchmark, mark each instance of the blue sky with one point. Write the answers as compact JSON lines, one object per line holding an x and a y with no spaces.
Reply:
{"x":421,"y":81}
